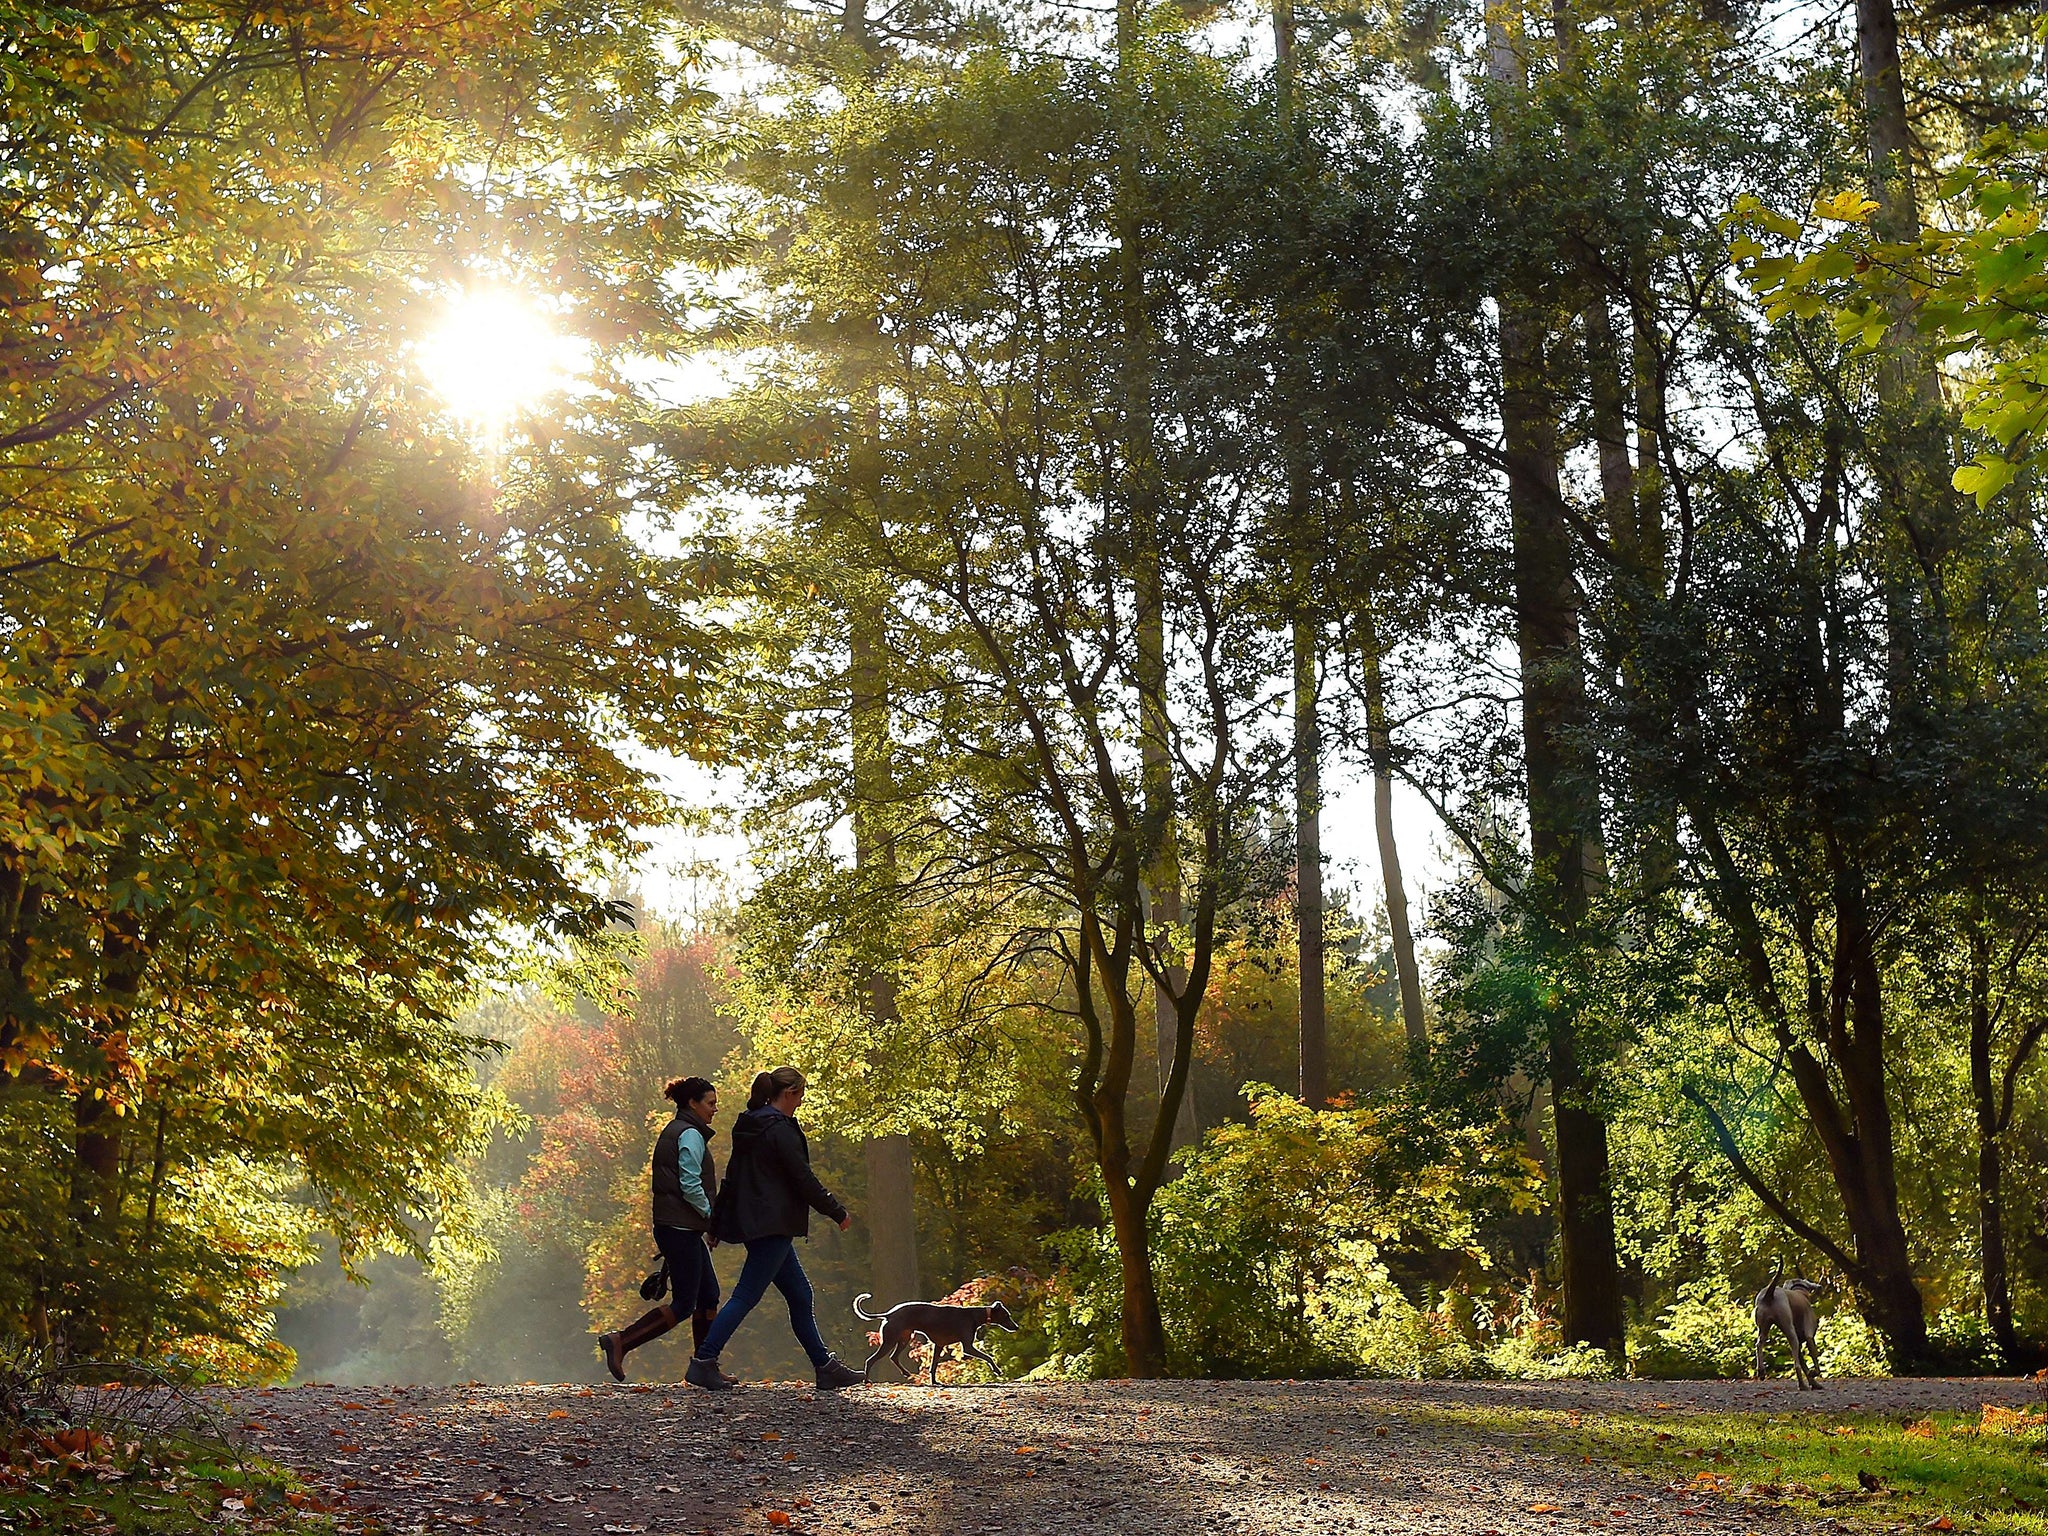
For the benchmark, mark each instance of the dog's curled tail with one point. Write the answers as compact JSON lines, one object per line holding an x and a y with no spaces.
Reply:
{"x":862,"y":1312}
{"x":1777,"y":1274}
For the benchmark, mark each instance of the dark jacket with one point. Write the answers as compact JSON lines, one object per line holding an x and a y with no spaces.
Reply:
{"x":769,"y":1188}
{"x":670,"y":1208}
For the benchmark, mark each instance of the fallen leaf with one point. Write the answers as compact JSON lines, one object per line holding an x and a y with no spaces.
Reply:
{"x":771,"y":1435}
{"x":1542,"y":1509}
{"x":1941,"y":1523}
{"x":778,"y":1517}
{"x":558,"y":1413}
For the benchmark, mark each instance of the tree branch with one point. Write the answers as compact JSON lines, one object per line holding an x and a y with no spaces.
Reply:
{"x":1771,"y":1199}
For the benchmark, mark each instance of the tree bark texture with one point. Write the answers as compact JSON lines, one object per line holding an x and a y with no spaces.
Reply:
{"x":1562,"y":786}
{"x":1164,"y":906}
{"x":1312,"y":1011}
{"x":1990,"y":1169}
{"x":1379,"y":745}
{"x":1308,"y":870}
{"x":892,"y":1205}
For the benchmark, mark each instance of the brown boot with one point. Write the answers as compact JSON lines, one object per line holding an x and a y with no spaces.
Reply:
{"x":617,"y":1346}
{"x":700,"y":1324}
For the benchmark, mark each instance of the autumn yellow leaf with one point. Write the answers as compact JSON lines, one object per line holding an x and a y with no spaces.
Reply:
{"x":1846,"y":207}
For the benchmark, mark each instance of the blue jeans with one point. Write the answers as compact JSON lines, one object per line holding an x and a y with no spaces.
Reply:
{"x":770,"y":1261}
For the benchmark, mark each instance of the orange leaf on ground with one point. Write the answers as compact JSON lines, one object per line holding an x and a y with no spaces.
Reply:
{"x":771,"y":1435}
{"x":778,"y":1517}
{"x":1027,"y":1450}
{"x":558,"y":1413}
{"x":1542,"y":1509}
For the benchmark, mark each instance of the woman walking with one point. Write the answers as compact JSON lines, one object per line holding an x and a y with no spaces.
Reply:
{"x":685,"y":1193}
{"x":766,"y":1204}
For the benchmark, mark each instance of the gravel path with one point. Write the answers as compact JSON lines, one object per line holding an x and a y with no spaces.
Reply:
{"x":1106,"y":1458}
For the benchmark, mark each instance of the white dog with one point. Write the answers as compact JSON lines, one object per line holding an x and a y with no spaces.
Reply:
{"x":1788,"y":1307}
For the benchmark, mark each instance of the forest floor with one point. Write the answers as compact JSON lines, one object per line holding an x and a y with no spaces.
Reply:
{"x":1154,"y":1458}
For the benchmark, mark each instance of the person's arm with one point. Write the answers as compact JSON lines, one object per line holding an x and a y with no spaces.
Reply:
{"x":690,"y":1170}
{"x":786,"y":1146}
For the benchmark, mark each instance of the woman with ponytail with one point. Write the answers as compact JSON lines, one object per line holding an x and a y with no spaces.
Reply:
{"x":766,"y":1204}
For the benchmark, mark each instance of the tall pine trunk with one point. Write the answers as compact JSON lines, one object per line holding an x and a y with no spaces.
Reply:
{"x":1562,"y":784}
{"x":1312,"y":1010}
{"x":1164,"y":907}
{"x":1308,"y":870}
{"x":1990,"y":1166}
{"x":892,"y":1196}
{"x":892,"y":1209}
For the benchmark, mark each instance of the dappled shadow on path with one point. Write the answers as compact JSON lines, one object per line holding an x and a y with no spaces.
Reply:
{"x":1103,"y":1458}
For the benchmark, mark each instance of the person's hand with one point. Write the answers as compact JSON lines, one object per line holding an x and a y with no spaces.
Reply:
{"x":710,"y":1241}
{"x":845,"y":1222}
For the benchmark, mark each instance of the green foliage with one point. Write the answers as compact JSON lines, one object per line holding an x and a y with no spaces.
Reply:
{"x":1973,"y":291}
{"x":1274,"y":1233}
{"x":305,"y":702}
{"x":1704,"y":1333}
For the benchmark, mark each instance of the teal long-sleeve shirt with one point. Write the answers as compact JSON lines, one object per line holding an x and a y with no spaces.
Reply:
{"x":690,"y":1150}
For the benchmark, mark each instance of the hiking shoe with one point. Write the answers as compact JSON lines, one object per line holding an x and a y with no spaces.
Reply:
{"x":614,"y":1357}
{"x":706,"y":1374}
{"x":836,"y":1373}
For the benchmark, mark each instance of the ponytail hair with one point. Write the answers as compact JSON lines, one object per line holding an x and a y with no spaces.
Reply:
{"x":685,"y":1091}
{"x":771,"y":1085}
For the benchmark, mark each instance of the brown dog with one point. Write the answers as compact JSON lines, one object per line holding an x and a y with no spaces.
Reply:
{"x":942,"y":1327}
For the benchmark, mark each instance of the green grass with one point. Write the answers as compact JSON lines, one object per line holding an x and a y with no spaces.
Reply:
{"x":171,"y":1490}
{"x":1942,"y":1467}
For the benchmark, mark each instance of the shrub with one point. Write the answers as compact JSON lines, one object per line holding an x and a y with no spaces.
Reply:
{"x":1701,"y":1335}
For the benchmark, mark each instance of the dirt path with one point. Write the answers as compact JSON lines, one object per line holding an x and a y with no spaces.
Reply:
{"x":1107,"y":1458}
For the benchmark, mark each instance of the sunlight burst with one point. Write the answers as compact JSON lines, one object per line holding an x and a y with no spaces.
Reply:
{"x":493,"y":356}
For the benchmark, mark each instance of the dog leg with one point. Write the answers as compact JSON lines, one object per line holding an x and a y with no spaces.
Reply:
{"x":1798,"y":1361}
{"x":1763,"y":1332}
{"x":938,"y":1354}
{"x":976,"y":1350}
{"x":901,"y":1345}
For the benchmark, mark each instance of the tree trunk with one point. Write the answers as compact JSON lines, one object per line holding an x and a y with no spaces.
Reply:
{"x":1142,"y":1331}
{"x":1990,"y":1170}
{"x":892,"y":1219}
{"x":1884,"y":110}
{"x":892,"y":1207}
{"x":1164,"y":908}
{"x":1563,"y":799}
{"x":1308,"y":870}
{"x":1857,"y":1024}
{"x":1312,"y":1013}
{"x":1379,"y":746}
